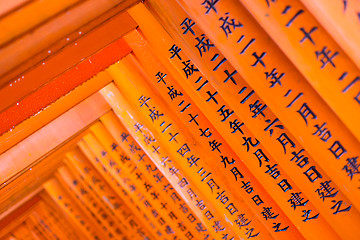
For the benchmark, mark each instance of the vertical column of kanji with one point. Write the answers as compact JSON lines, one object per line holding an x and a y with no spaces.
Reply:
{"x":170,"y":166}
{"x":277,"y":189}
{"x":318,"y":57}
{"x":124,"y":181}
{"x":155,"y":227}
{"x":182,"y":211}
{"x":119,"y":209}
{"x":147,"y":184}
{"x":276,"y":98}
{"x":98,"y":211}
{"x":260,"y":120}
{"x":70,"y":207}
{"x":341,"y":19}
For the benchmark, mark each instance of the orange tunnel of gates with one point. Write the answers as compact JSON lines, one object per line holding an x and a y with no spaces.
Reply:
{"x":179,"y":119}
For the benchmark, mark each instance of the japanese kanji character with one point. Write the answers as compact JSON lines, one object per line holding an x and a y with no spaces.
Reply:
{"x":189,"y":235}
{"x":305,"y":112}
{"x":222,"y":197}
{"x":181,"y":226}
{"x":225,"y":160}
{"x":183,"y":182}
{"x":322,"y":132}
{"x":143,"y":101}
{"x":183,"y":149}
{"x":169,"y":230}
{"x":173,"y":137}
{"x":241,"y":221}
{"x":225,"y":113}
{"x":268,"y":214}
{"x":248,"y":188}
{"x":189,"y":69}
{"x":158,"y":177}
{"x":247,"y":96}
{"x":202,"y":85}
{"x":257,"y":200}
{"x":193,"y":118}
{"x":259,"y":59}
{"x":208,"y":215}
{"x":173,"y":171}
{"x":230,"y":76}
{"x":200,"y":204}
{"x":218,"y":227}
{"x":296,"y":200}
{"x":187,"y":25}
{"x":312,"y":174}
{"x":257,"y":108}
{"x":260,"y":155}
{"x":337,"y":149}
{"x":155,"y":195}
{"x":284,"y":185}
{"x":206,"y":133}
{"x":174,"y":50}
{"x":225,"y":26}
{"x":200,"y":227}
{"x":114,"y":146}
{"x":191,"y":193}
{"x":211,"y":183}
{"x":165,"y":160}
{"x":236,"y":173}
{"x":231,"y":208}
{"x":156,"y":149}
{"x":192,"y":160}
{"x":275,"y":77}
{"x":134,"y":147}
{"x":326,"y":191}
{"x":236,"y":126}
{"x":212,"y":96}
{"x":271,"y":124}
{"x":273,"y":171}
{"x":155,"y":114}
{"x":138,"y":127}
{"x":124,"y":158}
{"x":326,"y":58}
{"x":300,"y":159}
{"x":203,"y":44}
{"x":352,"y":167}
{"x":307,"y":35}
{"x":160,"y":76}
{"x":210,"y":5}
{"x":173,"y":93}
{"x":215,"y":145}
{"x":248,"y":142}
{"x":284,"y":140}
{"x":183,"y":208}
